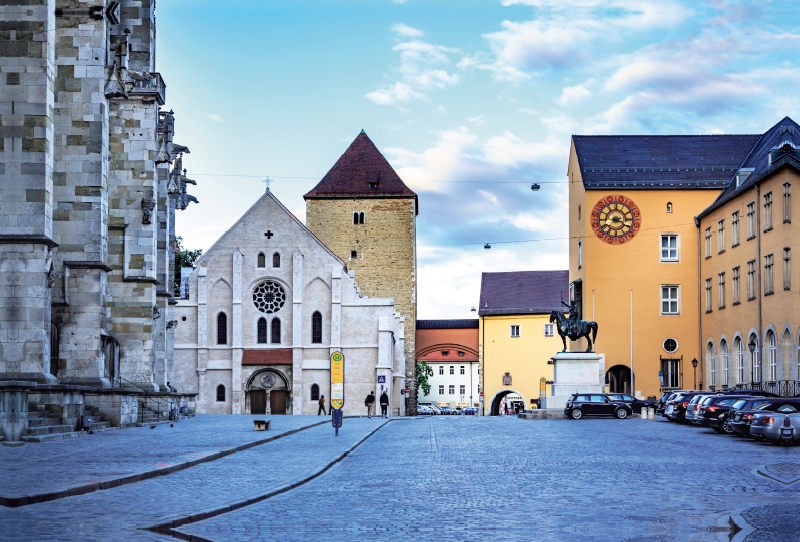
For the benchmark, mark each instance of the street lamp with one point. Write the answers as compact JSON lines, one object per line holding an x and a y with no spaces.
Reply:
{"x":752,"y":347}
{"x":694,"y":366}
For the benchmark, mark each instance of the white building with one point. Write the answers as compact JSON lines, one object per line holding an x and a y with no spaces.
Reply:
{"x":267,"y":305}
{"x":453,"y":383}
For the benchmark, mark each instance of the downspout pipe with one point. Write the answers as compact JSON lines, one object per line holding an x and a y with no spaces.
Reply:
{"x":759,"y":286}
{"x":699,"y":305}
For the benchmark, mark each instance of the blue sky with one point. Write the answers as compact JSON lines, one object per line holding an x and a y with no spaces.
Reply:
{"x":471,"y":101}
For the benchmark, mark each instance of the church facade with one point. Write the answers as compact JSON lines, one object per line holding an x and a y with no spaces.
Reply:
{"x":264,"y":310}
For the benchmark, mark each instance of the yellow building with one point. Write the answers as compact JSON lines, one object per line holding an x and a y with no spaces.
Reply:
{"x":516,"y":338}
{"x":634,"y":249}
{"x":750,"y":315}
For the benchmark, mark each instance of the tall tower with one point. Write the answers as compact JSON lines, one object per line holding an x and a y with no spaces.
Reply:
{"x":367,"y":216}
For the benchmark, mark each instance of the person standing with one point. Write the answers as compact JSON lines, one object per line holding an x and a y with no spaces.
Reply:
{"x":384,"y":404}
{"x":369,"y":402}
{"x":321,"y":409}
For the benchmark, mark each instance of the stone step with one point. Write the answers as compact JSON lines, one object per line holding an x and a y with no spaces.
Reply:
{"x":54,"y":436}
{"x":38,"y":422}
{"x":97,"y":426}
{"x":48,"y":429}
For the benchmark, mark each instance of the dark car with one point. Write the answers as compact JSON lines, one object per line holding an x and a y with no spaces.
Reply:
{"x":714,"y":413}
{"x":666,"y":396}
{"x":635,"y":404}
{"x":751,"y":393}
{"x":678,"y":413}
{"x":595,"y":404}
{"x":741,"y":413}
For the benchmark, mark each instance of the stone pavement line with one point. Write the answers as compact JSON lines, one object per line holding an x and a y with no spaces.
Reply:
{"x":15,"y":502}
{"x":169,"y":527}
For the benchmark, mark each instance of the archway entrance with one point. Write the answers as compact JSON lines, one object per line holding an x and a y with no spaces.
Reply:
{"x":268,"y":392}
{"x":618,"y":379}
{"x":506,"y":401}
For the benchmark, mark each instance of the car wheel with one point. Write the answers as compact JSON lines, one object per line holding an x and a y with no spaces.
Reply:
{"x":726,"y":427}
{"x":576,"y":414}
{"x":621,"y":413}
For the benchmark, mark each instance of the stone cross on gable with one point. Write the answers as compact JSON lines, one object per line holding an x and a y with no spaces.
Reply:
{"x":269,"y":234}
{"x":267,"y":182}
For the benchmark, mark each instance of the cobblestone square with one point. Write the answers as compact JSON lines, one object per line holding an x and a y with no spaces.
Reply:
{"x":432,"y":478}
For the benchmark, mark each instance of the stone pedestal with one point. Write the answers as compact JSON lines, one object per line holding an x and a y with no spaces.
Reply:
{"x":575,"y":372}
{"x":14,"y":410}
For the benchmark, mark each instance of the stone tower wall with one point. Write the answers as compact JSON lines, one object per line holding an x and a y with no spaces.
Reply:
{"x":386,"y":261}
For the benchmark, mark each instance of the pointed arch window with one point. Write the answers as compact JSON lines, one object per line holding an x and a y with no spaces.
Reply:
{"x":276,"y":331}
{"x":262,"y":331}
{"x":276,"y":260}
{"x":222,"y":328}
{"x":220,"y":393}
{"x":314,"y":392}
{"x":262,"y":260}
{"x":316,"y":328}
{"x":358,"y":217}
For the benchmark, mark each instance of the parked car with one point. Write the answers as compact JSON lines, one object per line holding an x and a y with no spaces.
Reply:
{"x":671,"y":401}
{"x":715,"y":411}
{"x":595,"y":404}
{"x":692,"y":414}
{"x":679,"y":404}
{"x":781,"y":426}
{"x":773,"y":410}
{"x":742,"y":412}
{"x":751,"y":393}
{"x":470,"y":411}
{"x":635,"y":404}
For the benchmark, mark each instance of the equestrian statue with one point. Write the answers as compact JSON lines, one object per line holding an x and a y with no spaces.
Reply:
{"x":573,"y":327}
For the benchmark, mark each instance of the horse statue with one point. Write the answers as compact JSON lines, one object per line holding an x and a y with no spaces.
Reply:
{"x":573,"y":328}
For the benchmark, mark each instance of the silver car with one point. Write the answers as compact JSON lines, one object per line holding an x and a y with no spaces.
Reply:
{"x":782,"y":426}
{"x":693,"y":408}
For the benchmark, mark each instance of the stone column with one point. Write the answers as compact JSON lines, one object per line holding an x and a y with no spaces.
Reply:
{"x":297,"y":332}
{"x":27,"y":72}
{"x":202,"y":335}
{"x":14,"y":411}
{"x":237,"y":351}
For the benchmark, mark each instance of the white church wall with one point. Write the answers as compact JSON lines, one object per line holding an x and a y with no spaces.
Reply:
{"x":213,"y":379}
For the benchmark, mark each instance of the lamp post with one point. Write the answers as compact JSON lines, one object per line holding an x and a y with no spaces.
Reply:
{"x":694,"y":366}
{"x":752,"y":347}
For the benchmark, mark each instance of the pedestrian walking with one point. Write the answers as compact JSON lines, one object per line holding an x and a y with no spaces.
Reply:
{"x":369,"y":402}
{"x":384,"y":404}
{"x":321,"y":409}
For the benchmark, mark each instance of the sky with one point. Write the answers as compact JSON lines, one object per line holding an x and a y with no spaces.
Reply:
{"x":471,"y":101}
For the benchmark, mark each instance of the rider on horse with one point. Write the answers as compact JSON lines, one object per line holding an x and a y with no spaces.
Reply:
{"x":574,"y":318}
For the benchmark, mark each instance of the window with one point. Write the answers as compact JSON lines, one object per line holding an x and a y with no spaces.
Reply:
{"x":669,"y":248}
{"x":751,"y":220}
{"x":787,"y":268}
{"x":767,"y":218}
{"x":441,"y":389}
{"x":220,"y":394}
{"x":671,"y":370}
{"x":262,"y":260}
{"x":708,"y":295}
{"x":314,"y":392}
{"x":669,"y":206}
{"x":711,"y":361}
{"x":463,"y":371}
{"x":275,"y":332}
{"x":670,"y":345}
{"x":755,"y":361}
{"x":441,"y":369}
{"x":669,"y":300}
{"x":451,"y":389}
{"x":549,"y":330}
{"x":708,"y":242}
{"x":721,"y":292}
{"x":515,"y":331}
{"x":261,"y":331}
{"x":580,"y":254}
{"x":316,"y":328}
{"x":353,"y":254}
{"x":355,"y":217}
{"x":735,"y":229}
{"x":735,"y":287}
{"x":452,"y":369}
{"x":769,"y":286}
{"x":462,"y":389}
{"x":739,"y":361}
{"x":723,"y":348}
{"x":276,"y":260}
{"x":460,"y":354}
{"x":445,"y":353}
{"x":358,"y":217}
{"x":787,"y":202}
{"x":721,"y":236}
{"x":579,"y":212}
{"x":222,"y":328}
{"x":751,"y":280}
{"x":772,"y":343}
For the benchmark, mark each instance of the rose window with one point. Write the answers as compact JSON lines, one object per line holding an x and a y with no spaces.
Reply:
{"x":269,"y":297}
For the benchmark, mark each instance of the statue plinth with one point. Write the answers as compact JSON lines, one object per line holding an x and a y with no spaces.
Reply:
{"x":575,"y":372}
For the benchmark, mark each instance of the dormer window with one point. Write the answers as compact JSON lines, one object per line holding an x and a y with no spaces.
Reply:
{"x":373,"y":185}
{"x":785,"y":148}
{"x":445,"y":353}
{"x":743,"y":174}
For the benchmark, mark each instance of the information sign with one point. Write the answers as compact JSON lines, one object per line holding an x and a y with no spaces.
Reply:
{"x":337,"y":380}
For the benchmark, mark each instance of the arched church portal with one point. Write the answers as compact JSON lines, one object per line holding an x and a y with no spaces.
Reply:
{"x":505,"y":400}
{"x":268,"y":392}
{"x":618,"y":379}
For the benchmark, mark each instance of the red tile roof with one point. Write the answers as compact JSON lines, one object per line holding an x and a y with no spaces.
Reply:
{"x":361,"y":171}
{"x":271,"y":356}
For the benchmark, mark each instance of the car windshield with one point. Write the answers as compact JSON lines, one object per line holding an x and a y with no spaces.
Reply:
{"x":738,"y":404}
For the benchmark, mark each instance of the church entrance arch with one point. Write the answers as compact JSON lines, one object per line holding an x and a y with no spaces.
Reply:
{"x":268,"y":392}
{"x":618,"y":379}
{"x":507,"y":399}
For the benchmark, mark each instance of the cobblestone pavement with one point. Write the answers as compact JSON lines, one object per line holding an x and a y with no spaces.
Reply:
{"x":106,"y":455}
{"x":455,"y":478}
{"x":465,"y":478}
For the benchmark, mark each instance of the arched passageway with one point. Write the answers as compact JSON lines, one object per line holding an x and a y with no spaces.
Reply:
{"x":507,"y":401}
{"x":618,"y":379}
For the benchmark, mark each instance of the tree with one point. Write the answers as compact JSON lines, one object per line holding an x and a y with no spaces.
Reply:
{"x":424,"y":371}
{"x":183,"y":258}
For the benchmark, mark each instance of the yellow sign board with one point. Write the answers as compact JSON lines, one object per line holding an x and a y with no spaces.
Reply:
{"x":337,"y":380}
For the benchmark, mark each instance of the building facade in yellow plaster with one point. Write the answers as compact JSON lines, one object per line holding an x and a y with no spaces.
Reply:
{"x":366,"y":215}
{"x":516,"y":338}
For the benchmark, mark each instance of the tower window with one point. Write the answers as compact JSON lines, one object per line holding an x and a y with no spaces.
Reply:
{"x":669,"y":206}
{"x":316,"y":328}
{"x":222,"y":328}
{"x":262,"y":331}
{"x":276,"y":260}
{"x":353,"y":254}
{"x":262,"y":260}
{"x":276,"y":331}
{"x":358,"y":217}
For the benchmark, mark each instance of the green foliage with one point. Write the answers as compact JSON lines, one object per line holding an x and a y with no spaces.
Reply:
{"x":424,"y":371}
{"x":183,"y":258}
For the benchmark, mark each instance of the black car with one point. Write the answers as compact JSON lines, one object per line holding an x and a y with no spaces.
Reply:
{"x":714,"y":412}
{"x":678,"y":413}
{"x":751,"y":393}
{"x":635,"y":404}
{"x":595,"y":404}
{"x":741,"y":413}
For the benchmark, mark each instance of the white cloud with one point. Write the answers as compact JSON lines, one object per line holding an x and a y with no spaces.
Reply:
{"x":574,"y":94}
{"x":423,"y":67}
{"x":213,"y":116}
{"x":477,"y":121}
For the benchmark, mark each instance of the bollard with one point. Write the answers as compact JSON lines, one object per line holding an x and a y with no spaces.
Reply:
{"x":651,"y":413}
{"x":643,"y":413}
